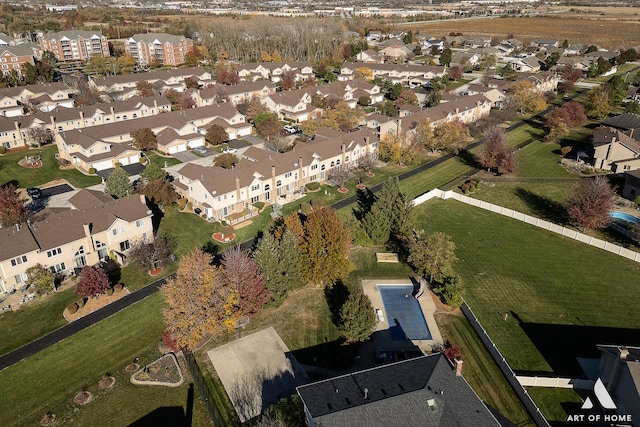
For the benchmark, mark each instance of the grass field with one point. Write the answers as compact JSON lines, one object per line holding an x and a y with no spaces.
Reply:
{"x":49,"y":380}
{"x":576,"y":29}
{"x":560,"y":298}
{"x":10,"y":171}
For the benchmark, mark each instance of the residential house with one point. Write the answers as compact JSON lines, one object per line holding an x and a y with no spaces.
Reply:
{"x":12,"y":58}
{"x":575,"y":49}
{"x":268,"y":176}
{"x":476,"y":42}
{"x":424,"y":391}
{"x":101,"y":147}
{"x":631,"y":188}
{"x":292,"y":105}
{"x":74,"y":45}
{"x":396,"y":73}
{"x":158,"y":48}
{"x":370,"y":56}
{"x":544,"y":43}
{"x":374,"y":36}
{"x":274,"y":70}
{"x":466,"y":59}
{"x":619,"y":371}
{"x":233,"y":93}
{"x":575,"y":62}
{"x":63,"y":240}
{"x":614,"y":150}
{"x":496,"y":96}
{"x":396,"y":52}
{"x":170,"y":77}
{"x":43,"y":96}
{"x":629,"y":123}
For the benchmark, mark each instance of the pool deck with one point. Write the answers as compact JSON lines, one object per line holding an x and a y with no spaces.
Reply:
{"x":382,"y":336}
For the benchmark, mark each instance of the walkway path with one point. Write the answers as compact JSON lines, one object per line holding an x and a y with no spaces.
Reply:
{"x":84,"y":322}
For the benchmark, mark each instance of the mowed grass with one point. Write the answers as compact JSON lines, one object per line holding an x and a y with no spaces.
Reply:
{"x":539,"y":278}
{"x":49,"y":380}
{"x":435,"y":177}
{"x":541,"y":160}
{"x":556,"y":403}
{"x":481,"y":371}
{"x":10,"y":171}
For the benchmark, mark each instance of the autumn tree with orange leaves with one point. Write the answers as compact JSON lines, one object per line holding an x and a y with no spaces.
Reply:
{"x":191,"y":315}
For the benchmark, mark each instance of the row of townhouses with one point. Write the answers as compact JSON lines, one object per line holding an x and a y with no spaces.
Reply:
{"x":63,"y":240}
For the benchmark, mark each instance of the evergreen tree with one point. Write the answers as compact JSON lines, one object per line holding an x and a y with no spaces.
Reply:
{"x":279,"y":262}
{"x":357,"y":318}
{"x":377,"y":225}
{"x":398,"y":207}
{"x":153,"y":171}
{"x":118,"y":184}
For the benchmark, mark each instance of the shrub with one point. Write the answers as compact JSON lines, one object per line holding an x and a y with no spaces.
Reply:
{"x":143,"y":160}
{"x":72,"y":308}
{"x":317,"y":203}
{"x":63,"y":162}
{"x":3,"y":149}
{"x":305,"y":208}
{"x":637,"y":200}
{"x":92,"y":171}
{"x":566,"y":150}
{"x":109,"y":291}
{"x":81,"y":302}
{"x":258,"y":205}
{"x":465,"y":188}
{"x":117,"y":288}
{"x":313,"y":186}
{"x":182,"y":202}
{"x":118,"y":165}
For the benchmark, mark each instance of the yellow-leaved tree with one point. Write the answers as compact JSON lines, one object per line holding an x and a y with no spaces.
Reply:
{"x":191,"y":317}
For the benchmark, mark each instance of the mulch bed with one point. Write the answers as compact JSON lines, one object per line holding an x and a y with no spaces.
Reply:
{"x":370,"y":174}
{"x":106,"y":382}
{"x":83,"y":398}
{"x":343,"y":190}
{"x":132,"y":367}
{"x":223,"y":238}
{"x":361,"y":186}
{"x":48,"y":420}
{"x":162,"y":370}
{"x":155,"y":271}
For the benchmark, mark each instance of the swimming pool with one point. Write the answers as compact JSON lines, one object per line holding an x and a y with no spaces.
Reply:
{"x":404,"y":313}
{"x":625,"y":217}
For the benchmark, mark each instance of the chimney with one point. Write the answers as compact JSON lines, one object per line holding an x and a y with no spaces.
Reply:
{"x":624,"y":353}
{"x":113,"y":114}
{"x":366,"y":393}
{"x":459,"y":362}
{"x":87,"y":233}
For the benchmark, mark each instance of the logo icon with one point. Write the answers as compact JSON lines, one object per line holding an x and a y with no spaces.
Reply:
{"x":602,"y":396}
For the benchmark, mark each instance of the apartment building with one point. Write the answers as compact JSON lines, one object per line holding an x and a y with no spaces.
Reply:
{"x":12,"y":58}
{"x":74,"y":45}
{"x":97,"y":227}
{"x":165,"y":49}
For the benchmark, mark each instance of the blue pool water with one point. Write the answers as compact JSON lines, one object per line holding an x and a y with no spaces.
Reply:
{"x":625,"y":217}
{"x":404,"y":314}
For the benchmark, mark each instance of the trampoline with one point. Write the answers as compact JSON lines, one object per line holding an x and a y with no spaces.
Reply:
{"x":404,"y":314}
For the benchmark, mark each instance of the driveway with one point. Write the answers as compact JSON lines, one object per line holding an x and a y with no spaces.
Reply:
{"x":55,"y":190}
{"x":186,"y":156}
{"x":133,"y":169}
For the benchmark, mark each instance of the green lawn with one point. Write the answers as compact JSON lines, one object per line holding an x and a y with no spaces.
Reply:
{"x":436,"y":177}
{"x":556,"y":403}
{"x":481,"y":371}
{"x":48,"y":380}
{"x":10,"y":171}
{"x":541,"y":279}
{"x":541,"y":160}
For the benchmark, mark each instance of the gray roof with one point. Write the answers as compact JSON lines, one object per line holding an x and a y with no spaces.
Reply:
{"x":626,"y":121}
{"x":417,"y":392}
{"x":72,"y":34}
{"x":161,"y":37}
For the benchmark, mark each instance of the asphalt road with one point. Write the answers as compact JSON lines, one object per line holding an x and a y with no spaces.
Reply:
{"x":84,"y":322}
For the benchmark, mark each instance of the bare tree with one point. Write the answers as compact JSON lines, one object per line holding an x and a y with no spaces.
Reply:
{"x":340,"y":175}
{"x":39,"y":136}
{"x":591,"y":202}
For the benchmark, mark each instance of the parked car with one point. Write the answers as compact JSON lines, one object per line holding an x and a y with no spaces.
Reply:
{"x":291,"y":129}
{"x":200,"y":150}
{"x":34,"y":192}
{"x":230,"y":150}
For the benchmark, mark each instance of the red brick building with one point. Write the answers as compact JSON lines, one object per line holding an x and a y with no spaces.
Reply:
{"x":75,"y":45}
{"x":165,"y":49}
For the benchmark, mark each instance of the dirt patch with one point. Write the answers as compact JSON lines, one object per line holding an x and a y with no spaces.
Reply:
{"x":442,"y":308}
{"x":48,"y":420}
{"x":83,"y":398}
{"x":94,"y":304}
{"x":106,"y":382}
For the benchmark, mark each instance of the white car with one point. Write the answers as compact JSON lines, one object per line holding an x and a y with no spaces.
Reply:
{"x":290,"y":129}
{"x":230,"y":150}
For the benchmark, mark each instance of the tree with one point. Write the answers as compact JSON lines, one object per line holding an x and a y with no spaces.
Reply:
{"x":39,"y":136}
{"x":226,"y":160}
{"x":92,"y":282}
{"x":390,"y":148}
{"x":552,"y":60}
{"x":591,"y":202}
{"x":144,"y":139}
{"x":125,"y":64}
{"x":357,"y":318}
{"x":597,"y":104}
{"x":288,"y":80}
{"x":242,"y":275}
{"x":363,"y":73}
{"x":325,"y":247}
{"x":377,"y":225}
{"x":191,"y":82}
{"x":494,"y":152}
{"x":445,"y":57}
{"x":406,"y":97}
{"x":180,"y":100}
{"x":398,"y":207}
{"x":227,"y":74}
{"x":216,"y":135}
{"x":145,"y":89}
{"x":191,"y":314}
{"x":561,"y":119}
{"x":41,"y":279}
{"x":340,"y":175}
{"x":267,"y":125}
{"x":617,"y":88}
{"x":160,"y":192}
{"x":279,"y":262}
{"x":455,"y":72}
{"x":525,"y":97}
{"x":153,"y":254}
{"x":451,"y":136}
{"x":118,"y":184}
{"x":12,"y":209}
{"x":153,"y":171}
{"x":251,"y":107}
{"x":450,"y":290}
{"x":433,"y":255}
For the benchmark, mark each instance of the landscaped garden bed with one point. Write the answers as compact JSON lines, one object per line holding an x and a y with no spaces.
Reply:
{"x":86,"y":306}
{"x":164,"y":371}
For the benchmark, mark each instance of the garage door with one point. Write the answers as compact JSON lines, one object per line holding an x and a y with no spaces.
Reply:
{"x":105,"y":164}
{"x":182,"y":147}
{"x":173,"y":150}
{"x":124,"y":161}
{"x":134,"y":159}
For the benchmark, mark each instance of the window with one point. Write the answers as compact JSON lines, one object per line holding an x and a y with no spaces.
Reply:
{"x":54,"y":252}
{"x":287,"y":175}
{"x":322,"y":167}
{"x":124,"y":246}
{"x":255,"y":187}
{"x":140,"y":223}
{"x":267,"y":187}
{"x":333,"y":164}
{"x":118,"y":230}
{"x":19,"y":260}
{"x":58,"y":268}
{"x":22,"y":277}
{"x":278,"y":183}
{"x":255,"y":199}
{"x":314,"y":167}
